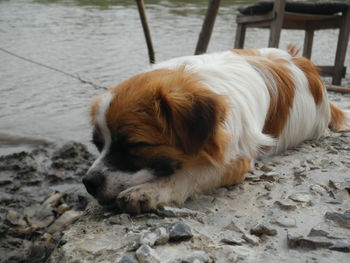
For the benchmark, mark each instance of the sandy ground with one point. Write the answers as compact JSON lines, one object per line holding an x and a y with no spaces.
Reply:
{"x":293,"y":207}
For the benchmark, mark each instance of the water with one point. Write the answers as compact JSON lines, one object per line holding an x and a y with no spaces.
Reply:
{"x":101,"y":41}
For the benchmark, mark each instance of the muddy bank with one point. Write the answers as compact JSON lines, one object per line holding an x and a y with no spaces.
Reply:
{"x":40,"y":195}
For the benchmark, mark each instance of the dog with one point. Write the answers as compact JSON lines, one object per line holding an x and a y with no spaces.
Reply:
{"x":196,"y":123}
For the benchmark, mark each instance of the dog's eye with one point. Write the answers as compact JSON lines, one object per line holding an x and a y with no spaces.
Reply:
{"x":139,"y":144}
{"x":99,"y":143}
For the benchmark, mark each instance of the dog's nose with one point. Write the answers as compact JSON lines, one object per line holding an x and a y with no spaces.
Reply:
{"x":93,"y":181}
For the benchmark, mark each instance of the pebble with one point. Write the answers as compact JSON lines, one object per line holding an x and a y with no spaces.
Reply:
{"x":196,"y":257}
{"x":300,"y":197}
{"x":121,"y":219}
{"x":341,"y":245}
{"x":145,"y":254}
{"x":251,"y":239}
{"x":342,"y":220}
{"x":270,"y":177}
{"x":62,"y":208}
{"x":39,"y":216}
{"x":128,"y":259}
{"x":304,"y":242}
{"x":168,"y":211}
{"x":162,"y":236}
{"x":53,"y":200}
{"x":66,"y":219}
{"x":284,"y":222}
{"x":262,"y":229}
{"x":285,"y":205}
{"x":158,"y":237}
{"x":15,"y":218}
{"x":232,"y":241}
{"x":318,"y":189}
{"x":179,"y":231}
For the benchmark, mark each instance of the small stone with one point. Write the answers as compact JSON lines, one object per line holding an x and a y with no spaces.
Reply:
{"x":196,"y":257}
{"x":232,"y":226}
{"x":148,"y":238}
{"x":179,"y":231}
{"x":300,"y":197}
{"x":62,"y":208}
{"x":145,"y":254}
{"x":270,"y":177}
{"x":39,"y":216}
{"x":47,"y":238}
{"x":311,"y":243}
{"x":251,"y":239}
{"x":342,"y":220}
{"x":261,"y":229}
{"x":168,"y":211}
{"x":284,"y":222}
{"x":318,"y":189}
{"x":266,"y":168}
{"x":162,"y":236}
{"x":121,"y":219}
{"x":15,"y":219}
{"x":268,"y":186}
{"x":341,"y":245}
{"x":53,"y":199}
{"x":285,"y":205}
{"x":128,"y":259}
{"x":231,"y":241}
{"x":64,"y":220}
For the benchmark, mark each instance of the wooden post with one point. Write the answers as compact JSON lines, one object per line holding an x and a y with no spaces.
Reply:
{"x":342,"y":45}
{"x":142,"y":13}
{"x":309,"y":37}
{"x":276,"y":24}
{"x":207,"y":27}
{"x":240,"y":35}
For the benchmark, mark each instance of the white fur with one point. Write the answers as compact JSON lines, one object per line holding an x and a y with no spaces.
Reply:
{"x":100,"y":119}
{"x":229,"y":74}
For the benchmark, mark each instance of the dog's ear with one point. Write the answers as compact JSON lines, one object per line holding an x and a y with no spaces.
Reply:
{"x":192,"y":118}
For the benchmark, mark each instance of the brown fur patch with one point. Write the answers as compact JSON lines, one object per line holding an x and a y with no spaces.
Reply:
{"x":174,"y":112}
{"x":235,"y":171}
{"x":282,"y":102}
{"x":338,"y":120}
{"x":311,"y":72}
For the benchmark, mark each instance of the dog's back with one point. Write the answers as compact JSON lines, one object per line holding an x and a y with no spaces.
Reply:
{"x":272,"y":92}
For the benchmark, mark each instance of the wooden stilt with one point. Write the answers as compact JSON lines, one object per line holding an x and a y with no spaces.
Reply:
{"x":142,"y":13}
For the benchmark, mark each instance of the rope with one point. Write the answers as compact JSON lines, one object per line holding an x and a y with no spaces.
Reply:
{"x":52,"y":68}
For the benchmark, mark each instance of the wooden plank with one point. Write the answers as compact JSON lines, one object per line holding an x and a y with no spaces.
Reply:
{"x":308,"y":17}
{"x":328,"y":71}
{"x":241,"y":19}
{"x":276,"y":24}
{"x":337,"y":89}
{"x":207,"y":27}
{"x":312,"y":25}
{"x":146,"y":31}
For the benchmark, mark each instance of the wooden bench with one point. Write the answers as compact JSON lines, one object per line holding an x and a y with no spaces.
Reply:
{"x":279,"y":18}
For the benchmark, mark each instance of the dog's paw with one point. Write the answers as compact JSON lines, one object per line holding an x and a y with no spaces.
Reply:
{"x":138,"y":199}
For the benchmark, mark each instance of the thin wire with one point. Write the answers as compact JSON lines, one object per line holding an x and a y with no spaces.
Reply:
{"x":52,"y":68}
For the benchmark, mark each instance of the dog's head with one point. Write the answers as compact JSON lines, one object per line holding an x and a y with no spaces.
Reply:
{"x":150,"y":126}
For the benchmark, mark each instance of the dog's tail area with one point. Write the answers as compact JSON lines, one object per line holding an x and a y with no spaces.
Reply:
{"x":340,"y":120}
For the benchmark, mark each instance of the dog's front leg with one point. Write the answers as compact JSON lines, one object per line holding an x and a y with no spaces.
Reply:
{"x":180,"y":186}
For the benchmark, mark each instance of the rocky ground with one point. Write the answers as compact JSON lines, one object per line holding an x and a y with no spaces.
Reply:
{"x":294,"y":207}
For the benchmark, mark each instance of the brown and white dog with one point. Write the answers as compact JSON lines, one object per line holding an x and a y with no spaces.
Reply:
{"x":196,"y":123}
